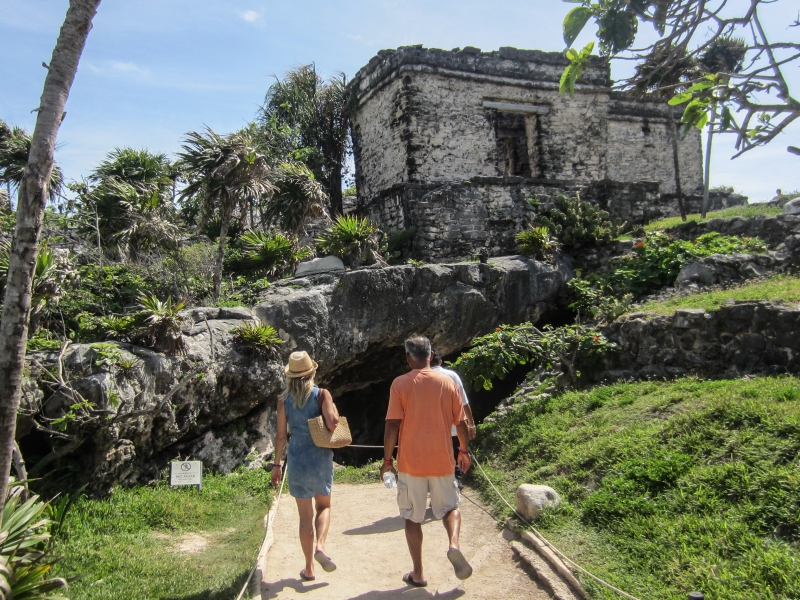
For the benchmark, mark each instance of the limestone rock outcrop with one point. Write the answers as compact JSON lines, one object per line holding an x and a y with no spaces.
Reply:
{"x":217,"y":401}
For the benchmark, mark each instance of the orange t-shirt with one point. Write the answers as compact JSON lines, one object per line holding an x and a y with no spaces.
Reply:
{"x":428,"y":403}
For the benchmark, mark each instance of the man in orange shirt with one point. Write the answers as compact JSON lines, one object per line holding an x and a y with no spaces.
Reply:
{"x":423,"y":404}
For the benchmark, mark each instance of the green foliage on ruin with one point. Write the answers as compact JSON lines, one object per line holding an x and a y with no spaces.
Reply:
{"x":654,"y":262}
{"x":351,"y":238}
{"x":537,"y":242}
{"x":576,"y":223}
{"x":257,"y":335}
{"x":494,"y":355}
{"x":666,"y":487}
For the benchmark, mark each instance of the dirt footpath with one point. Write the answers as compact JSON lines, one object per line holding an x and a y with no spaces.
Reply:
{"x":368,"y":544}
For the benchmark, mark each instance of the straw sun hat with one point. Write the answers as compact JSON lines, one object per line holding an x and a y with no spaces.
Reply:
{"x":300,"y":365}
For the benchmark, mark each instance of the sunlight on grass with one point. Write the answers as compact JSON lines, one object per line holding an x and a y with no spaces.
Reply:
{"x":745,"y":212}
{"x":162,"y":543}
{"x":667,"y":487}
{"x":782,"y":287}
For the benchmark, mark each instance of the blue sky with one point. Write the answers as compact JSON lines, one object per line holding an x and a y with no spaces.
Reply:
{"x":154,"y":69}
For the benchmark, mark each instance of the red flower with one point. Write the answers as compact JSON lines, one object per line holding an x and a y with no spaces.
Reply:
{"x":640,"y":244}
{"x":497,"y":329}
{"x":596,"y":339}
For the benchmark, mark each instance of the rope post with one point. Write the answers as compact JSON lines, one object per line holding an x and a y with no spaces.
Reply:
{"x":696,"y":596}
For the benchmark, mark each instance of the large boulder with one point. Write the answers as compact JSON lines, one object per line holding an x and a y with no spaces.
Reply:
{"x":532,"y":500}
{"x":354,"y":324}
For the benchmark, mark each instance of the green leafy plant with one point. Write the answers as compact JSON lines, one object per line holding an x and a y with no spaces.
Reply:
{"x":537,"y":242}
{"x":163,"y":325}
{"x":257,"y":335}
{"x":595,"y":303}
{"x":576,"y":223}
{"x":118,"y":327}
{"x":397,"y":244}
{"x":26,"y":551}
{"x":107,"y":355}
{"x":271,"y":254}
{"x":492,"y":356}
{"x":353,"y":239}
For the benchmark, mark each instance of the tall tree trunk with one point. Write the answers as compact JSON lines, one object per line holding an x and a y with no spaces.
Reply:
{"x":225,"y":221}
{"x":335,"y":191}
{"x":707,"y":166}
{"x":30,"y":210}
{"x":675,"y":163}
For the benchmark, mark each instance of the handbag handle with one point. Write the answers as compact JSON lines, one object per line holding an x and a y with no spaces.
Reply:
{"x":320,"y":401}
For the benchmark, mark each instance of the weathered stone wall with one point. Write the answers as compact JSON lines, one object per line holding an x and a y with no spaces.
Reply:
{"x":738,"y":339}
{"x":454,"y":142}
{"x":774,"y":231}
{"x":640,"y":147}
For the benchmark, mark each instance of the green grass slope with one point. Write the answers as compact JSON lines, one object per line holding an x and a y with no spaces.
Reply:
{"x":667,"y":487}
{"x":142,"y":543}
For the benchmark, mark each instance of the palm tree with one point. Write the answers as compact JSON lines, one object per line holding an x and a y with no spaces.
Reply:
{"x":130,"y":206}
{"x":298,"y":197}
{"x":15,"y":146}
{"x":317,"y":110}
{"x":225,"y":172}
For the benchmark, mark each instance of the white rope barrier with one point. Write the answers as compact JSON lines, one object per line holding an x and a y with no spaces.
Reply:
{"x":545,"y":541}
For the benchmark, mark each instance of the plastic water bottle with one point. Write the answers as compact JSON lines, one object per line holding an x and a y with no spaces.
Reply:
{"x":389,"y":480}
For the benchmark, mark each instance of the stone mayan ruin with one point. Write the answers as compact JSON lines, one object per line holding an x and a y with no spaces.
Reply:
{"x":454,"y":143}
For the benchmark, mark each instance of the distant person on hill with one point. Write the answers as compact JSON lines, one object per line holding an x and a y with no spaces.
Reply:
{"x":310,"y":467}
{"x":436,"y":365}
{"x":423,"y":405}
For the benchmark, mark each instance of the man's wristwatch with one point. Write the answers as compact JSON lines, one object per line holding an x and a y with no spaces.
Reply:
{"x":388,"y":461}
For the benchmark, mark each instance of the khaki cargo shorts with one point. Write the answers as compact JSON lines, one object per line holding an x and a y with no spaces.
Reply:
{"x":412,"y":496}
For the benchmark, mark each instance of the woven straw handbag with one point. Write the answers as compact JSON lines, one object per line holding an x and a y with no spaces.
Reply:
{"x":325,"y":438}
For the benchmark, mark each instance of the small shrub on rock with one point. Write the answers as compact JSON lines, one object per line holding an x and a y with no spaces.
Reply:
{"x":577,"y":223}
{"x":353,"y":239}
{"x":257,"y":335}
{"x":162,"y":331}
{"x":537,"y":242}
{"x":270,"y":254}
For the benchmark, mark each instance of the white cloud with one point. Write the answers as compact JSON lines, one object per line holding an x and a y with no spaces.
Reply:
{"x":115,"y":68}
{"x":251,"y":16}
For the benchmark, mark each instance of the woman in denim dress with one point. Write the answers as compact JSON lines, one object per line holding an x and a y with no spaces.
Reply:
{"x":310,"y":467}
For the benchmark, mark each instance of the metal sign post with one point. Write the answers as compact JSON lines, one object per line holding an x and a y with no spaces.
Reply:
{"x":189,"y":472}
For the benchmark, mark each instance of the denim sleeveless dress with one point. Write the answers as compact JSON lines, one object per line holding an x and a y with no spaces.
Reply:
{"x":310,"y":467}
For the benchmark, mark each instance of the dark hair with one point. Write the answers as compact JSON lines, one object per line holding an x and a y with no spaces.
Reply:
{"x":436,"y":359}
{"x":418,"y":347}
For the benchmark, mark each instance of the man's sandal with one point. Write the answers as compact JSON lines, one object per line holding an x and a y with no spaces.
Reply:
{"x":409,"y":579}
{"x":325,"y":561}
{"x":460,"y":564}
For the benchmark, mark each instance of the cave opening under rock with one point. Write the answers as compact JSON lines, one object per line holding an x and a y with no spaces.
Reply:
{"x":365,"y":410}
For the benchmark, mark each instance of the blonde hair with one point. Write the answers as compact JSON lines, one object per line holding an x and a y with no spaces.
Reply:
{"x":300,"y":388}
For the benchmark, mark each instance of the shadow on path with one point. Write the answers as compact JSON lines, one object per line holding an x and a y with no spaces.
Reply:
{"x":386,"y":525}
{"x":271,"y":590}
{"x":410,"y":593}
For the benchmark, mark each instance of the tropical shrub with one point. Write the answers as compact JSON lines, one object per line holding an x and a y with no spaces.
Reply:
{"x":537,"y":242}
{"x":577,"y":223}
{"x":658,"y":258}
{"x":594,"y":303}
{"x":257,"y":335}
{"x":353,"y":239}
{"x":492,"y":356}
{"x":397,"y":244}
{"x":162,"y":331}
{"x":26,"y":550}
{"x":298,"y":197}
{"x":270,"y":254}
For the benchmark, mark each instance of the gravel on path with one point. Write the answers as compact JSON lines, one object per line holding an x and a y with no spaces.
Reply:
{"x":367,"y":542}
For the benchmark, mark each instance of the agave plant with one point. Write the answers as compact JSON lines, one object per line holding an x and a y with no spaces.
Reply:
{"x":257,"y":335}
{"x":26,"y":558}
{"x":353,"y":239}
{"x":537,"y":242}
{"x":271,"y":254}
{"x":163,"y":329}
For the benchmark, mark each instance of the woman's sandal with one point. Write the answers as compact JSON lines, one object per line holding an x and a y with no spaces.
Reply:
{"x":304,"y":577}
{"x":409,"y":579}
